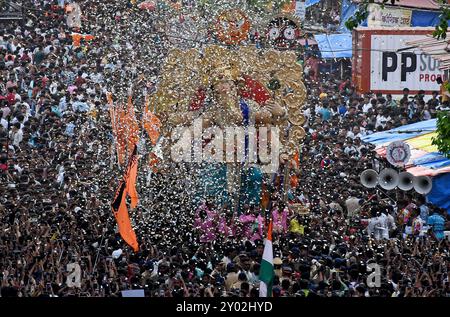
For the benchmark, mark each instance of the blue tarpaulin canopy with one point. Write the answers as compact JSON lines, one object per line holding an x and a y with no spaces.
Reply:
{"x":432,"y":160}
{"x":440,"y":194}
{"x":309,"y":3}
{"x":334,"y":45}
{"x":348,"y":10}
{"x":402,"y":133}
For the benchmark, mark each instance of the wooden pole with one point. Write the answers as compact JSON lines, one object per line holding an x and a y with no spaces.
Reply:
{"x":285,"y":181}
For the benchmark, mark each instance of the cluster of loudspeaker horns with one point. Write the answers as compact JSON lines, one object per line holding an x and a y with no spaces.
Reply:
{"x":389,"y":179}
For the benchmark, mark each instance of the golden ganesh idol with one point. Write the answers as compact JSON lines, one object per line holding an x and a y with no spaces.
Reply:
{"x":222,"y":89}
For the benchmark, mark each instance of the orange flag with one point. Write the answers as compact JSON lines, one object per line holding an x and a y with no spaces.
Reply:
{"x":151,"y":124}
{"x":132,"y":127}
{"x":152,"y":162}
{"x":131,"y":176}
{"x":120,"y":211}
{"x":77,"y":37}
{"x":125,"y":128}
{"x":121,"y":133}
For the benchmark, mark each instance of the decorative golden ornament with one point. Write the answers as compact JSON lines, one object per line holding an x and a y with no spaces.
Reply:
{"x":272,"y":58}
{"x":296,"y":86}
{"x":289,"y":59}
{"x":296,"y":134}
{"x":186,"y":71}
{"x":284,"y":157}
{"x":248,"y":53}
{"x":290,"y":149}
{"x":289,"y":75}
{"x":293,"y":101}
{"x":296,"y":117}
{"x":263,"y":117}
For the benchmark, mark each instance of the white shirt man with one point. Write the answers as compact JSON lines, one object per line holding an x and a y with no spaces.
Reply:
{"x":96,"y":78}
{"x":381,"y":121}
{"x":307,"y":114}
{"x":47,"y":49}
{"x":377,"y":227}
{"x":350,"y":134}
{"x":17,"y":136}
{"x":350,"y":149}
{"x":383,"y":227}
{"x":372,"y":227}
{"x":353,"y":205}
{"x":366,"y":107}
{"x":4,"y":123}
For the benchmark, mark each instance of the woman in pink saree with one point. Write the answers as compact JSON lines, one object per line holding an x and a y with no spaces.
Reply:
{"x":247,"y":220}
{"x":258,"y":227}
{"x":280,"y":219}
{"x":206,"y":222}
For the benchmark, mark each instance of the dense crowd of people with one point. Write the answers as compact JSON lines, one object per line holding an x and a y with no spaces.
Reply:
{"x":58,"y":169}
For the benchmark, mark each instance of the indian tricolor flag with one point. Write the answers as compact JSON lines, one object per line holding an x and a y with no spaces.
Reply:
{"x":266,"y":272}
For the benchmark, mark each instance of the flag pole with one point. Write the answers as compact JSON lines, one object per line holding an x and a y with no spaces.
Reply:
{"x":98,"y":252}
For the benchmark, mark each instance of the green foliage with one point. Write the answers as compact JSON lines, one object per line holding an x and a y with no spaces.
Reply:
{"x":359,"y":16}
{"x":446,"y":86}
{"x":442,"y":140}
{"x":441,"y":29}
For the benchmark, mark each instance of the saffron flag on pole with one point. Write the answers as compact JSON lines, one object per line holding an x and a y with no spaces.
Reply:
{"x":120,"y":211}
{"x":151,"y":123}
{"x":132,"y":126}
{"x":119,"y":127}
{"x":115,"y":113}
{"x":131,"y":176}
{"x":266,"y":272}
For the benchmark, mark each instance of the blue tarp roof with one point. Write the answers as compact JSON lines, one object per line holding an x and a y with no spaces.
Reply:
{"x":440,"y":194}
{"x":433,"y":160}
{"x":402,"y":133}
{"x":334,"y":45}
{"x":309,"y":3}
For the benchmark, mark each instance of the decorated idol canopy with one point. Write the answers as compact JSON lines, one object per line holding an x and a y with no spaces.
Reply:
{"x":233,"y":87}
{"x":227,"y":88}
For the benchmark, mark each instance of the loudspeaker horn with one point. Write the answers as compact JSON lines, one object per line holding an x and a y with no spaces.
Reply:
{"x":388,"y":179}
{"x":405,"y":181}
{"x":423,"y":184}
{"x":369,"y":178}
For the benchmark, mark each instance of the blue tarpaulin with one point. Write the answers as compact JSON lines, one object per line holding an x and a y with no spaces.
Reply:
{"x":432,"y":160}
{"x":348,"y":10}
{"x":424,"y":18}
{"x":334,"y":45}
{"x":401,"y":133}
{"x":309,"y":3}
{"x":440,"y":194}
